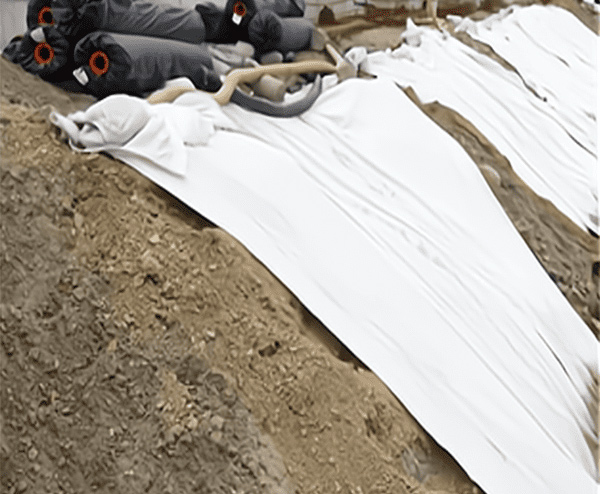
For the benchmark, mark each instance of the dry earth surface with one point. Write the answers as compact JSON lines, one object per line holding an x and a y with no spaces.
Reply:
{"x":145,"y":350}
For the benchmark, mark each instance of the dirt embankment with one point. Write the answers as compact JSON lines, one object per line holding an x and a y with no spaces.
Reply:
{"x":144,"y":349}
{"x":83,"y":408}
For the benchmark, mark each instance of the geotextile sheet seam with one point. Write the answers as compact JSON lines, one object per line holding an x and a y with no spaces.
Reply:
{"x":550,"y":136}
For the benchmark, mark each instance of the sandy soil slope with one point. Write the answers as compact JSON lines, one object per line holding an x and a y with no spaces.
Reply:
{"x":145,"y":350}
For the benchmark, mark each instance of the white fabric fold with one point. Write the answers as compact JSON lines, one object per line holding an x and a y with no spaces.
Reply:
{"x":381,"y":224}
{"x":401,"y":249}
{"x":129,"y":128}
{"x":555,"y":53}
{"x":542,"y":143}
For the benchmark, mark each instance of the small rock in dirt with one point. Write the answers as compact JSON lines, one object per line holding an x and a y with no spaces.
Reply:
{"x":173,"y":433}
{"x":216,"y":436}
{"x":21,"y":486}
{"x":154,"y":239}
{"x":78,"y":221}
{"x":192,"y":423}
{"x":79,"y":293}
{"x":217,"y":422}
{"x":491,"y":175}
{"x":190,"y":370}
{"x":32,"y":454}
{"x":34,"y":353}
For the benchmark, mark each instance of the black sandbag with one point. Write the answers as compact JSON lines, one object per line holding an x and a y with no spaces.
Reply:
{"x":229,"y":24}
{"x":284,"y":8}
{"x":11,"y":50}
{"x":110,"y":63}
{"x":76,"y":18}
{"x":268,"y":31}
{"x":69,"y":21}
{"x":48,"y":55}
{"x":39,"y":13}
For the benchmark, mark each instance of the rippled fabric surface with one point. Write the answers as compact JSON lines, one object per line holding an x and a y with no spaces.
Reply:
{"x":549,"y":138}
{"x":401,"y":249}
{"x":557,"y":57}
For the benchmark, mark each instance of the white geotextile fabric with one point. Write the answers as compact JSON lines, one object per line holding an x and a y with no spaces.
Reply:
{"x":536,"y":136}
{"x":403,"y":252}
{"x":555,"y":53}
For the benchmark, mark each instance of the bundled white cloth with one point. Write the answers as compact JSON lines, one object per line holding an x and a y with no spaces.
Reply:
{"x":401,"y":249}
{"x":133,"y":130}
{"x":550,"y":144}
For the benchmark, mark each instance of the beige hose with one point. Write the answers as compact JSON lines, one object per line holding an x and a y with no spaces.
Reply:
{"x":247,"y":75}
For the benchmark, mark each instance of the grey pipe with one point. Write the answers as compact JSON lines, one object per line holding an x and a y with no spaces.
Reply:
{"x":275,"y":109}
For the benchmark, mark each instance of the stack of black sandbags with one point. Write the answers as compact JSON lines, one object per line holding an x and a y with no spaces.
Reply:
{"x":135,"y":46}
{"x":244,"y":20}
{"x":121,"y":63}
{"x":42,"y":50}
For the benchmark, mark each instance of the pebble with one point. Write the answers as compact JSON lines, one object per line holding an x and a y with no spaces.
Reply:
{"x":32,"y":454}
{"x":154,"y":239}
{"x":192,"y":423}
{"x":21,"y":486}
{"x":34,"y":353}
{"x":79,"y":293}
{"x":217,"y":422}
{"x":491,"y":175}
{"x":78,"y":221}
{"x":216,"y":436}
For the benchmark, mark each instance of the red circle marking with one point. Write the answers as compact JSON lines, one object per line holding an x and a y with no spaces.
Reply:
{"x":43,"y":53}
{"x":240,"y":9}
{"x":99,"y":62}
{"x":45,"y":16}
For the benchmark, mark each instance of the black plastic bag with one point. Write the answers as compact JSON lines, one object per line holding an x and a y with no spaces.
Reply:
{"x":268,"y":31}
{"x":227,"y":25}
{"x":284,"y":8}
{"x":42,"y":51}
{"x":77,"y":18}
{"x":246,"y":20}
{"x":111,"y":63}
{"x":39,"y":13}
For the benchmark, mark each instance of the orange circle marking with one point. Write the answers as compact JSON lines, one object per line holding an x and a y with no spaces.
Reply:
{"x":240,"y":9}
{"x":99,"y":63}
{"x":43,"y":53}
{"x":45,"y":16}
